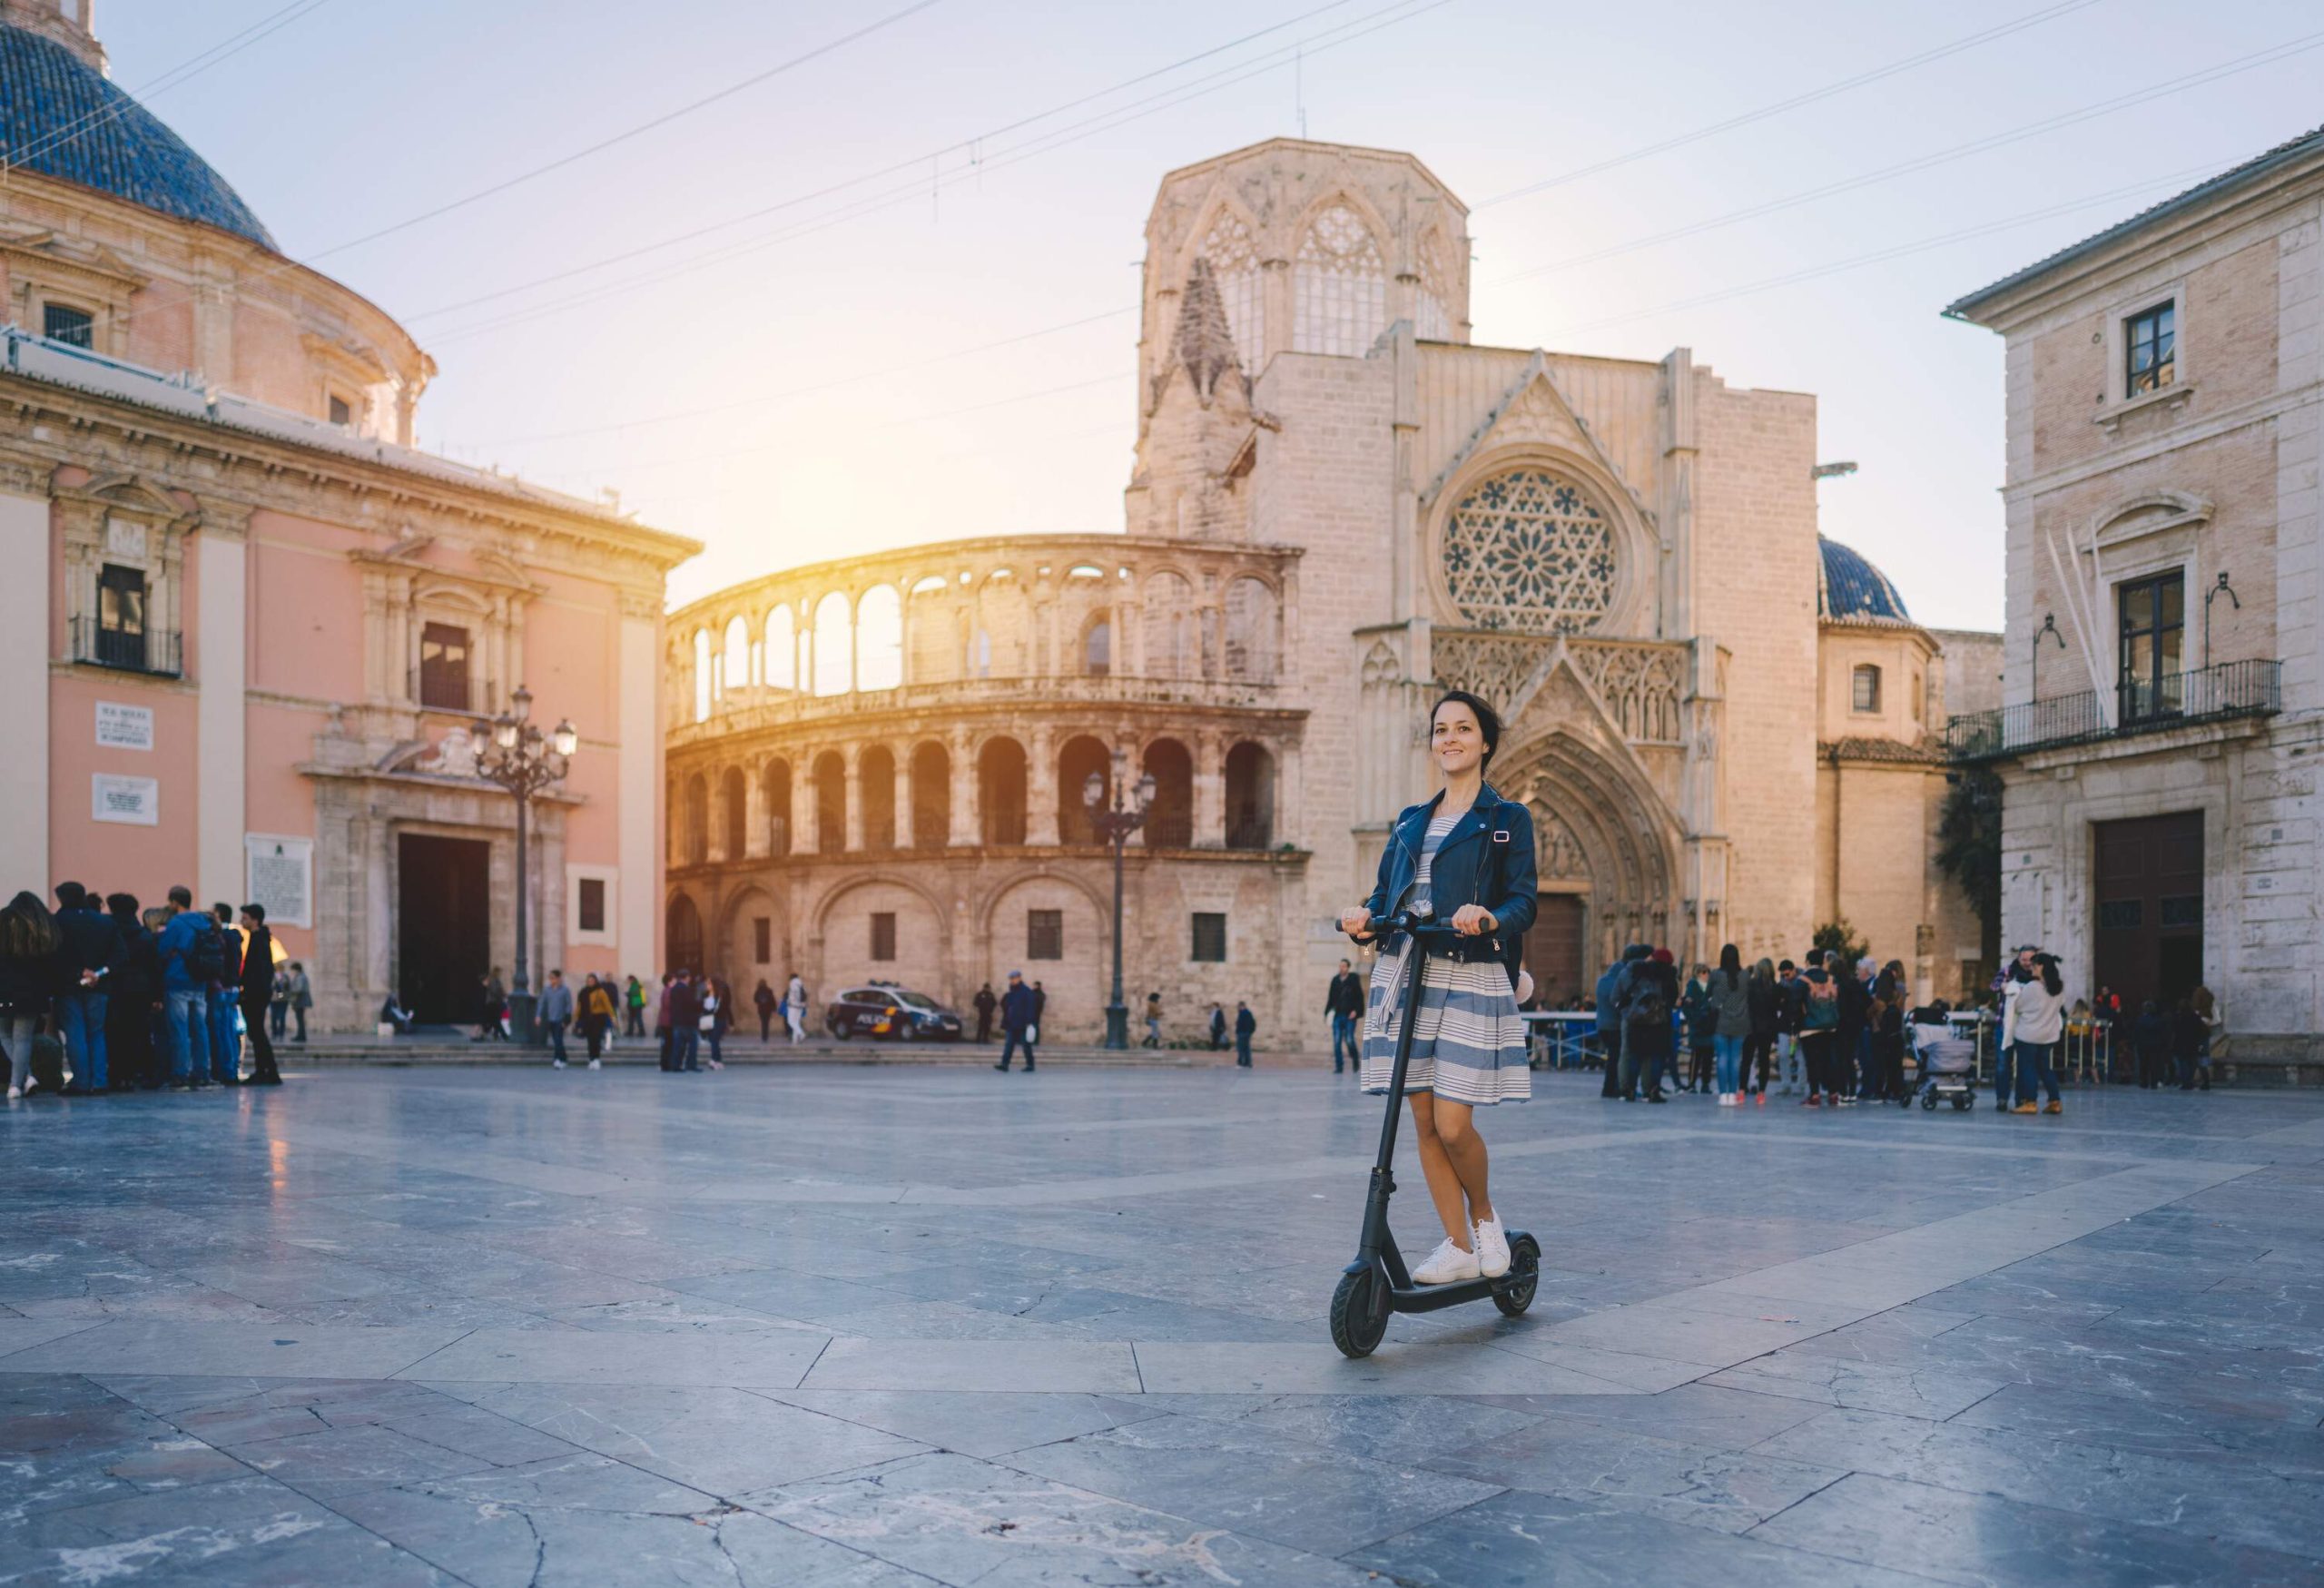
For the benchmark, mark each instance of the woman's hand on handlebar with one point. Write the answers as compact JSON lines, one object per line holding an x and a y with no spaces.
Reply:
{"x":1474,"y":920}
{"x":1357,"y":922}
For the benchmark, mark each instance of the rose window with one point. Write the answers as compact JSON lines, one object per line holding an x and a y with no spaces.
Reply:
{"x":1529,"y":550}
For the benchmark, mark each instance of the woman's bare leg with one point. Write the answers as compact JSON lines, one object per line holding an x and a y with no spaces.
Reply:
{"x":1456,"y":1133}
{"x":1445,"y":1177}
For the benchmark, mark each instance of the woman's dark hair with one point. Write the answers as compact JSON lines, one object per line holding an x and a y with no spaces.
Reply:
{"x":1488,"y":720}
{"x":1730,"y":960}
{"x":123,"y":907}
{"x":27,"y":931}
{"x":2051,"y":983}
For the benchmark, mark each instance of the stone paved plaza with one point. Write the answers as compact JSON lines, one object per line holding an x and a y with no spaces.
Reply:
{"x":845,"y":1327}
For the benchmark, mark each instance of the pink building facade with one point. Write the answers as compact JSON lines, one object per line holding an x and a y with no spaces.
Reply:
{"x":250,"y":637}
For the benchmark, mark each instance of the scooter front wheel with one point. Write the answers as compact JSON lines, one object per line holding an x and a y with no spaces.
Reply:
{"x":1525,"y":1277}
{"x":1357,"y":1325}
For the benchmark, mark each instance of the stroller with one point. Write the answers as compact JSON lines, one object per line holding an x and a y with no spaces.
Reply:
{"x":1949,"y":1061}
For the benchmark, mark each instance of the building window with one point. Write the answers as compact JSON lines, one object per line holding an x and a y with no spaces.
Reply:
{"x":1210,"y":938}
{"x":444,"y":667}
{"x":2150,"y":343}
{"x":761,"y":939}
{"x":1340,"y":287}
{"x":883,"y":934}
{"x":76,"y":328}
{"x":121,"y":615}
{"x":341,"y":414}
{"x":1098,"y":649}
{"x":1045,"y":935}
{"x":2151,"y":627}
{"x":1864,"y":688}
{"x":593,"y":903}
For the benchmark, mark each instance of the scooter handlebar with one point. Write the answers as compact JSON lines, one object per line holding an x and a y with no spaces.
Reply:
{"x":1419,"y":923}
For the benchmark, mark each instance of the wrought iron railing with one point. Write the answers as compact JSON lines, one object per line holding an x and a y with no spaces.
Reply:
{"x":155,"y":651}
{"x":2145,"y":705}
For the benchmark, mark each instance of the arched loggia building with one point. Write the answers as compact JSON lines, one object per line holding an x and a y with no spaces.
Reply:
{"x":1341,"y":505}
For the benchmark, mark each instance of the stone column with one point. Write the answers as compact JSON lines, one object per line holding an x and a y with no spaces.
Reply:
{"x":1041,"y":789}
{"x":904,"y":833}
{"x":852,"y":786}
{"x":221,"y":712}
{"x":716,"y":846}
{"x":754,"y":814}
{"x":965,"y":828}
{"x":23,"y":660}
{"x":805,"y":837}
{"x":1210,"y":791}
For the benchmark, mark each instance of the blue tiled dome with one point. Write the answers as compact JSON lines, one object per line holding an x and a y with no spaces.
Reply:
{"x":59,"y":116}
{"x":1849,"y":586}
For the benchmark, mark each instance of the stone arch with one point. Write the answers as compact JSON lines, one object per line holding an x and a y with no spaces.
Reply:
{"x":1632,"y":544}
{"x":1077,"y":982}
{"x":921,"y":942}
{"x":737,"y":958}
{"x":1250,"y":796}
{"x":1097,"y":650}
{"x":681,"y":935}
{"x":834,"y":646}
{"x":1340,"y":273}
{"x":735,"y":657}
{"x":1171,"y":820}
{"x":1627,"y":838}
{"x":1002,"y":783}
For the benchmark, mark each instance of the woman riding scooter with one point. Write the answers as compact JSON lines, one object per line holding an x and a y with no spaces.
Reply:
{"x":1469,"y":853}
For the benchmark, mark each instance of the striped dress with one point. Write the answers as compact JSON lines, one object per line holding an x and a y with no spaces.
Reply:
{"x":1468,"y":1039}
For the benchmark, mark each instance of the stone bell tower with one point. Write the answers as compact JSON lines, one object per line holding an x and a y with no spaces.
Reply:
{"x":71,"y":23}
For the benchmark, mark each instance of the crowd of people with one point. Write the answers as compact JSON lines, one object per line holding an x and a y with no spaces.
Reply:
{"x":101,"y":995}
{"x":1838,"y":1030}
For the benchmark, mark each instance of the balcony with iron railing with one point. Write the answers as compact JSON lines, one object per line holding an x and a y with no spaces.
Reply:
{"x":2223,"y":693}
{"x":158,"y":653}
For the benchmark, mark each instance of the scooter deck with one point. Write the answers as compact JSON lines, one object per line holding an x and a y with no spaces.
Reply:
{"x":1434,"y":1298}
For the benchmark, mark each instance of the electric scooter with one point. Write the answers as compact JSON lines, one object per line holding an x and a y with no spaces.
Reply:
{"x":1377,"y":1283}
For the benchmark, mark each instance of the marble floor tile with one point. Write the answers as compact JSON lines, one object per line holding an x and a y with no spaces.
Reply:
{"x":973,"y":1422}
{"x":1984,"y":1539}
{"x":774,"y":1359}
{"x":1053,"y":1366}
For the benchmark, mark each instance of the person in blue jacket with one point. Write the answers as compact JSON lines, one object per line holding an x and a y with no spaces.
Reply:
{"x":1020,"y":1013}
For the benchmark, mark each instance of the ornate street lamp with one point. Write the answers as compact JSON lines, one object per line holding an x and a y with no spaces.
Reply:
{"x":524,"y":761}
{"x":1113,"y":826}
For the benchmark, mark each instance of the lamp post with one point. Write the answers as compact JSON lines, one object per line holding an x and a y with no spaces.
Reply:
{"x":2210,"y":595}
{"x":524,"y":761}
{"x":1113,"y":826}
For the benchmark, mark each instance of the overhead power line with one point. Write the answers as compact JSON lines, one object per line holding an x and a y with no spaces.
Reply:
{"x":918,"y":188}
{"x":1861,"y":79}
{"x":2105,"y":107}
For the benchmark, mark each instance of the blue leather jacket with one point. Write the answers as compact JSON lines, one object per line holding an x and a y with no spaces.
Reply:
{"x":1487,"y":858}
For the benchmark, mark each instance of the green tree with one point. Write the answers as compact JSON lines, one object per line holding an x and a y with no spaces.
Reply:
{"x":1839,"y":941}
{"x":1968,"y":848}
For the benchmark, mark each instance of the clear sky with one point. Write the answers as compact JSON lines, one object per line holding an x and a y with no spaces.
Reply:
{"x":815,"y":330}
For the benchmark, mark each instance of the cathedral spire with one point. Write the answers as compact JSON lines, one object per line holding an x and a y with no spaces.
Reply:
{"x":1204,"y":342}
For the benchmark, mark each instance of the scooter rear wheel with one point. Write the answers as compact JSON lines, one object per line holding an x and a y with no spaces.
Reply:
{"x":1355,"y":1329}
{"x":1524,"y":1268}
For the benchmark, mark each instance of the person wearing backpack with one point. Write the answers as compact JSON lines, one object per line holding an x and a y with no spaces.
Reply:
{"x":1607,"y":1009}
{"x":185,"y":989}
{"x":1730,"y":1000}
{"x":1820,"y":1021}
{"x":1650,"y":997}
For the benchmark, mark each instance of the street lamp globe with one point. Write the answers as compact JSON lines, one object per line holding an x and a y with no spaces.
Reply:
{"x":568,"y":738}
{"x":1093,"y":791}
{"x":1146,"y":787}
{"x":505,"y":730}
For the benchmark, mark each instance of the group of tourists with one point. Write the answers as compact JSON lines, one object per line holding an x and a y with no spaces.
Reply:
{"x":100,"y":995}
{"x":1839,"y":1028}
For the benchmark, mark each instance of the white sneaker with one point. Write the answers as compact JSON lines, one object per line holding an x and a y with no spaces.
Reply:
{"x":596,"y":1064}
{"x":1447,"y":1264}
{"x":1492,"y":1249}
{"x":558,"y":1065}
{"x":14,"y":1091}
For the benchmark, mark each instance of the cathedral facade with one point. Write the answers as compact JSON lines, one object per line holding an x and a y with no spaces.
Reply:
{"x":1724,"y":726}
